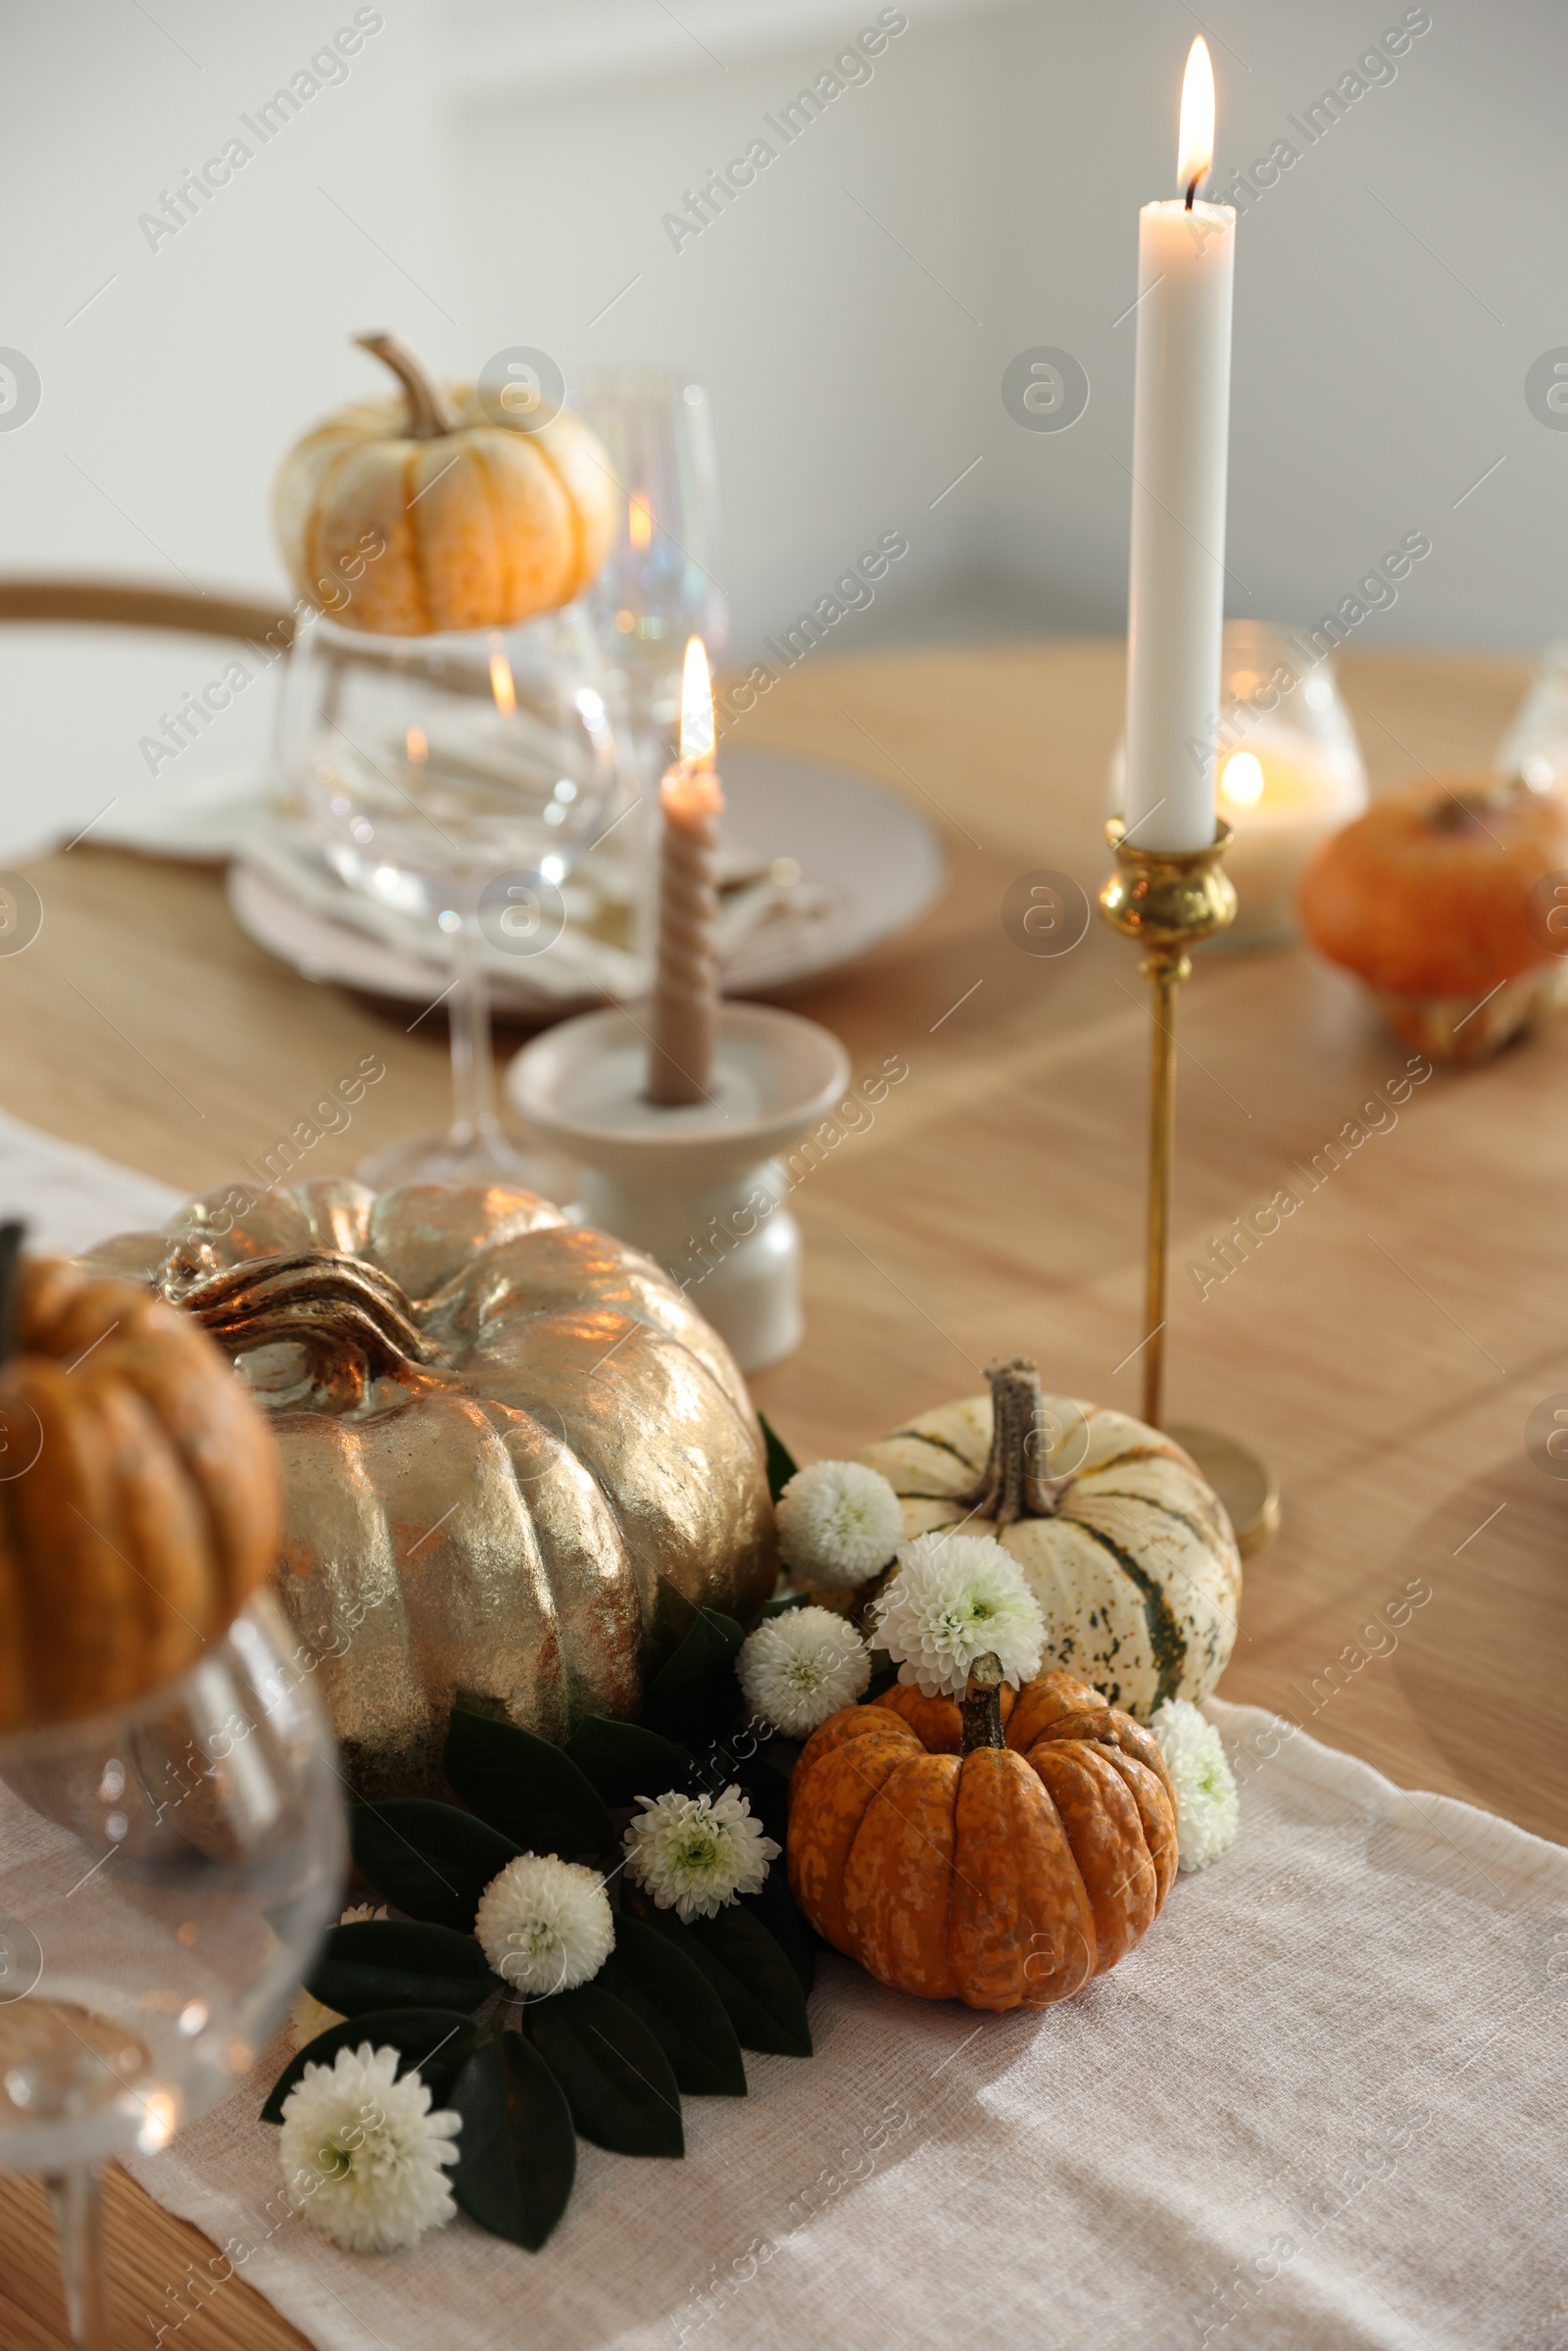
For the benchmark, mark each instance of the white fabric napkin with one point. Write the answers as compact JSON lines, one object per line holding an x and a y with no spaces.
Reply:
{"x":1321,"y":2108}
{"x":1322,"y":2105}
{"x":765,"y":925}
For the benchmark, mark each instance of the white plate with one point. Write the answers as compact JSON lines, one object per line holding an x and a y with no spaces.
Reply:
{"x":881,"y":861}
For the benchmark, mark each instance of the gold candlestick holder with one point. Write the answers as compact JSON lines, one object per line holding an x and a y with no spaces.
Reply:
{"x":1167,"y":900}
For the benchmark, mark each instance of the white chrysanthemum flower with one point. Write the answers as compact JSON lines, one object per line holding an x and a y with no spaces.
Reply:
{"x":545,"y":1925}
{"x":308,"y":2017}
{"x":801,"y":1666}
{"x":695,"y":1853}
{"x":839,"y":1523}
{"x":954,"y":1598}
{"x":363,"y":2155}
{"x":1208,"y":1810}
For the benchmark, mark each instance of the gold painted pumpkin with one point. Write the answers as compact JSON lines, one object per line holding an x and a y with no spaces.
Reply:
{"x":513,"y":1455}
{"x":1005,"y":1875}
{"x":140,"y":1506}
{"x":1127,"y":1549}
{"x":478,"y":524}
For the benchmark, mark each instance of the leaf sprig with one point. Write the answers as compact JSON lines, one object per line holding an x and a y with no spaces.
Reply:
{"x":668,"y":2014}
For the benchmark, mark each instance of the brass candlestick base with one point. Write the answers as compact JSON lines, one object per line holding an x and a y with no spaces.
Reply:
{"x":1167,"y":899}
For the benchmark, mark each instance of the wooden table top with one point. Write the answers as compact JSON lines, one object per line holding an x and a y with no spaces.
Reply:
{"x":1384,"y":1350}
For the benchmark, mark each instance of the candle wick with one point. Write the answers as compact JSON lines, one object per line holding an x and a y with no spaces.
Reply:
{"x":1192,"y":188}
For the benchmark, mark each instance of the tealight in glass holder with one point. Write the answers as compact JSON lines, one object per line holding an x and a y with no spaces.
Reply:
{"x":1290,"y":773}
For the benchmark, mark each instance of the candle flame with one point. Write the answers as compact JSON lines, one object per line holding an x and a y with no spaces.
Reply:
{"x":500,"y":685}
{"x":640,"y":521}
{"x":416,"y":747}
{"x":1240,"y":780}
{"x":1194,"y":144}
{"x":696,"y":708}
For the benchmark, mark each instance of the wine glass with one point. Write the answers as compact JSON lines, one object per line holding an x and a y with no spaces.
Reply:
{"x":662,"y":582}
{"x":165,"y":1870}
{"x":1535,"y":744}
{"x":458,"y":777}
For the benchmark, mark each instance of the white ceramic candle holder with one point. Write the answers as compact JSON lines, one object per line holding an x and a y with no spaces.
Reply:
{"x":701,"y":1186}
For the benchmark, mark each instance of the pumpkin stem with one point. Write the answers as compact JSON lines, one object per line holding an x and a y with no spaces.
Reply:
{"x":352,"y":1320}
{"x":1013,"y":1483}
{"x":12,"y":1237}
{"x":430,"y":410}
{"x":982,"y":1704}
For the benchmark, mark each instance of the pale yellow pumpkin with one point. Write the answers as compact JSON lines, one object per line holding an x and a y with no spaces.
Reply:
{"x":420,"y":512}
{"x":1127,"y":1549}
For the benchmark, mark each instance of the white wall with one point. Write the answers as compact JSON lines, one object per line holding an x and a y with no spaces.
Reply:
{"x":1007,"y":150}
{"x":492,"y":172}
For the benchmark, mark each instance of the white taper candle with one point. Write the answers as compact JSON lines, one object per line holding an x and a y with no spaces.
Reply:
{"x":1181,"y":419}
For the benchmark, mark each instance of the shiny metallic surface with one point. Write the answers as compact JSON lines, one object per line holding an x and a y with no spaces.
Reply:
{"x":515,"y":1454}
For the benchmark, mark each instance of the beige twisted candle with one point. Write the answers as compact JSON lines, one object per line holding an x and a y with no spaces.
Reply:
{"x":685,"y":1006}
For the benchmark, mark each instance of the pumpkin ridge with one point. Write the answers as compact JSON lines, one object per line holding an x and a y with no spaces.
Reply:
{"x":407,"y":496}
{"x":1112,"y":1494}
{"x":1100,"y":1814}
{"x":1164,"y":1638}
{"x":1135,"y":1453}
{"x":319,"y":508}
{"x":491,"y":495}
{"x":579,"y":547}
{"x":819,"y":1890}
{"x":870,"y":1936}
{"x":939,"y":1444}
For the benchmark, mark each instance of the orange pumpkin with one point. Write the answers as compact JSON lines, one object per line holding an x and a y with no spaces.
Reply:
{"x":445,"y":509}
{"x":145,"y":1502}
{"x":1005,"y":1875}
{"x":1428,"y":898}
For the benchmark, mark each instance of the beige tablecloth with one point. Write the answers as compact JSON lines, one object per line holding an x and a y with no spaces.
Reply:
{"x":1324,"y":2104}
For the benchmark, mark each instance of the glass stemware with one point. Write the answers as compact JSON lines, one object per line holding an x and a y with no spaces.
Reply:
{"x":662,"y":581}
{"x":1535,"y":744}
{"x":165,"y":1870}
{"x":457,"y":778}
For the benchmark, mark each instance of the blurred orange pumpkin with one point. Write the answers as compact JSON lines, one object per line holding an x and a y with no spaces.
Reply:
{"x":1429,"y":899}
{"x":145,"y":1503}
{"x":442,"y":510}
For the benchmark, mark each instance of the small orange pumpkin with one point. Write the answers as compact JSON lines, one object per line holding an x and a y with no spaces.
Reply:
{"x":1007,"y":1873}
{"x":444,"y":509}
{"x":142,"y":1502}
{"x":1428,"y":898}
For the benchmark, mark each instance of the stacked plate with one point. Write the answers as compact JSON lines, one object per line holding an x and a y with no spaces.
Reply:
{"x":820,"y":865}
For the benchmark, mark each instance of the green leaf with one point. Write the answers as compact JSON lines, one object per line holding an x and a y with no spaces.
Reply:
{"x":625,"y":1760}
{"x":430,"y":1860}
{"x":786,"y":1602}
{"x":387,"y":1963}
{"x":434,"y":2042}
{"x":748,"y":1969}
{"x":774,"y":1908}
{"x":884,"y":1676}
{"x":782,"y":1462}
{"x":522,"y":1786}
{"x":518,"y":2151}
{"x":695,"y":1690}
{"x":673,"y":1997}
{"x":618,"y":2083}
{"x":767,"y":1791}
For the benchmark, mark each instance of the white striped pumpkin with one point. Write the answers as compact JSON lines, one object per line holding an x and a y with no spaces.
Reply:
{"x":1135,"y":1567}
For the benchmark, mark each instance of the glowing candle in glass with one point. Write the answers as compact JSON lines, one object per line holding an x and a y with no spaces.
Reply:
{"x":1289,"y":773}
